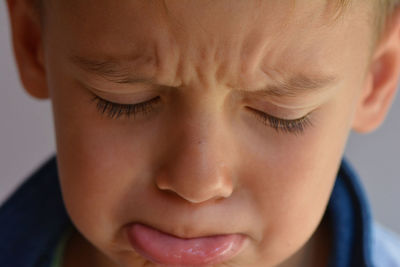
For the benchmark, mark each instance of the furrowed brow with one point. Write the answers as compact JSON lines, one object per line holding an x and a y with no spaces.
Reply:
{"x":111,"y":70}
{"x":298,"y":84}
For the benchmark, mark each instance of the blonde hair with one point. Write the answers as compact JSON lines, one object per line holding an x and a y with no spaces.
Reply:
{"x":383,"y":11}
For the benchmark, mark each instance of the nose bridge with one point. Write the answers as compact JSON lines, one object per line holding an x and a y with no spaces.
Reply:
{"x":198,"y":167}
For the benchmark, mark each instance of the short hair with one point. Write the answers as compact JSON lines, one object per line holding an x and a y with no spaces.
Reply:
{"x":382,"y":12}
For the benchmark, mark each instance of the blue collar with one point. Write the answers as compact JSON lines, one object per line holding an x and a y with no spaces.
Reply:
{"x":351,"y":221}
{"x":33,"y":219}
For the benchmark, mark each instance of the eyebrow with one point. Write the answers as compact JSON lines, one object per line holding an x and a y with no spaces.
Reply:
{"x":111,"y":70}
{"x":298,"y":84}
{"x":295,"y":85}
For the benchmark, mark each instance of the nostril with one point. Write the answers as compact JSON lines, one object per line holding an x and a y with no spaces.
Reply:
{"x":196,"y":193}
{"x":162,"y":184}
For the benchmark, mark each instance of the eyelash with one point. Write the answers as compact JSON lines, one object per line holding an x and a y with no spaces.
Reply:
{"x":296,"y":126}
{"x":116,"y":110}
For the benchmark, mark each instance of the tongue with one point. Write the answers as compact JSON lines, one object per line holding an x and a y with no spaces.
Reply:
{"x":166,"y":249}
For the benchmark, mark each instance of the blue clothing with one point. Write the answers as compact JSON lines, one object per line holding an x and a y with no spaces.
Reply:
{"x":358,"y":240}
{"x":33,"y":219}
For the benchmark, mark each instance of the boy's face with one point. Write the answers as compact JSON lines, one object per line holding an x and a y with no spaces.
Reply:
{"x":200,"y":160}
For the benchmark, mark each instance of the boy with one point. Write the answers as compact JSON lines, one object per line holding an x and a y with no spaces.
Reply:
{"x":202,"y":133}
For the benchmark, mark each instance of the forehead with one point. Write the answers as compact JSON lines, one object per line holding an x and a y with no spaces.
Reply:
{"x":242,"y":42}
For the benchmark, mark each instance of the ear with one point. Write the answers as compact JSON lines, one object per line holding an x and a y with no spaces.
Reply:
{"x":28,"y":48}
{"x":381,"y":80}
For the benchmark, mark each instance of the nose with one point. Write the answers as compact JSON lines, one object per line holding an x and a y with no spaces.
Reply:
{"x":199,"y":165}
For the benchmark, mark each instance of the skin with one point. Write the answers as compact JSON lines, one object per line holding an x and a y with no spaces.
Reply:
{"x":200,"y":157}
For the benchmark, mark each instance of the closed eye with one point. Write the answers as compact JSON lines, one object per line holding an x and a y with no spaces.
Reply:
{"x":296,"y":126}
{"x":117,"y":110}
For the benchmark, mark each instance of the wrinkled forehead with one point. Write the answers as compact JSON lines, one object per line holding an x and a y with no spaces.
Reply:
{"x":229,"y":32}
{"x":197,"y":20}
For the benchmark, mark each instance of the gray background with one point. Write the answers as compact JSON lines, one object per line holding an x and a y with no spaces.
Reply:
{"x":27,"y":139}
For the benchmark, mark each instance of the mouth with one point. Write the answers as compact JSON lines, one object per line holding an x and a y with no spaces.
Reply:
{"x":166,"y":249}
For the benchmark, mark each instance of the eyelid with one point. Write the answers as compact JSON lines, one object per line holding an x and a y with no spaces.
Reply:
{"x":285,"y":107}
{"x":279,"y":118}
{"x":126,"y":97}
{"x":293,"y":126}
{"x":116,"y":110}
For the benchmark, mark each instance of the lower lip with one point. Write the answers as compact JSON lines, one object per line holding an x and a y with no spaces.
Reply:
{"x":166,"y":249}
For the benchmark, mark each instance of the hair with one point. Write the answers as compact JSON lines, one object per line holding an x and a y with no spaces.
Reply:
{"x":382,"y":12}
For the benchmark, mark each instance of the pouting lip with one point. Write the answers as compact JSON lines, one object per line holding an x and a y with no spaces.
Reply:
{"x":200,"y":250}
{"x":181,"y":235}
